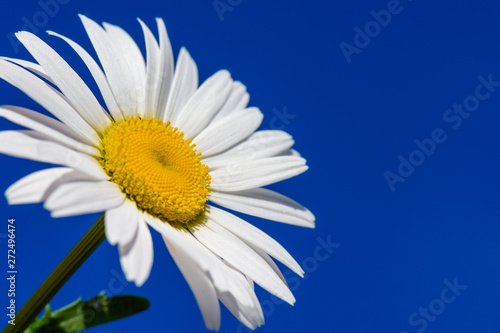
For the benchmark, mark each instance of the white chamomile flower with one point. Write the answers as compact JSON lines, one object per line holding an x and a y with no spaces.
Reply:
{"x":153,"y":157}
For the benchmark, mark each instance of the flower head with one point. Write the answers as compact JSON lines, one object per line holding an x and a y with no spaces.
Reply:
{"x":155,"y":156}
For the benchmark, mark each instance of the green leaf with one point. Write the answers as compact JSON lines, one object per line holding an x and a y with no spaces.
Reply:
{"x":79,"y":315}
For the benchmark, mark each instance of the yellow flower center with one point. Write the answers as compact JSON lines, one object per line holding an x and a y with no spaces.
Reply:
{"x":156,"y":168}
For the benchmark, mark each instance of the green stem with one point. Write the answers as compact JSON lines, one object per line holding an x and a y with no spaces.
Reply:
{"x":35,"y":304}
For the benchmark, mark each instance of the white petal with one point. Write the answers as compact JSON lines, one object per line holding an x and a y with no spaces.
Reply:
{"x":37,"y":186}
{"x":77,"y":198}
{"x":228,"y":283}
{"x":242,"y":257}
{"x":249,"y":313}
{"x":166,"y":71}
{"x":256,"y":173}
{"x":250,"y":281}
{"x":269,"y":261}
{"x":54,"y":129}
{"x":228,"y":131}
{"x":204,"y":104}
{"x":98,"y":75}
{"x":183,"y":87}
{"x":39,"y":71}
{"x":200,"y":284}
{"x":237,"y":100}
{"x":253,"y":236}
{"x":192,"y":259}
{"x":32,"y":67}
{"x":182,"y":240}
{"x":266,"y":204}
{"x":135,"y":62}
{"x":28,"y":145}
{"x":152,"y":72}
{"x":289,"y":152}
{"x":136,"y":257}
{"x":46,"y":96}
{"x":121,"y":223}
{"x":120,"y":78}
{"x":71,"y":85}
{"x":261,"y":144}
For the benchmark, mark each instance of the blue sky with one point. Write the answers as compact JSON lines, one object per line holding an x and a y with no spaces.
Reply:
{"x":396,"y":107}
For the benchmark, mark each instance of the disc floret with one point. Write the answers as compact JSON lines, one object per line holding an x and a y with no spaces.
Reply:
{"x":156,"y":168}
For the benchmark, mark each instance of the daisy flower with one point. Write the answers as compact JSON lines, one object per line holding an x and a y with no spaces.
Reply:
{"x":157,"y":156}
